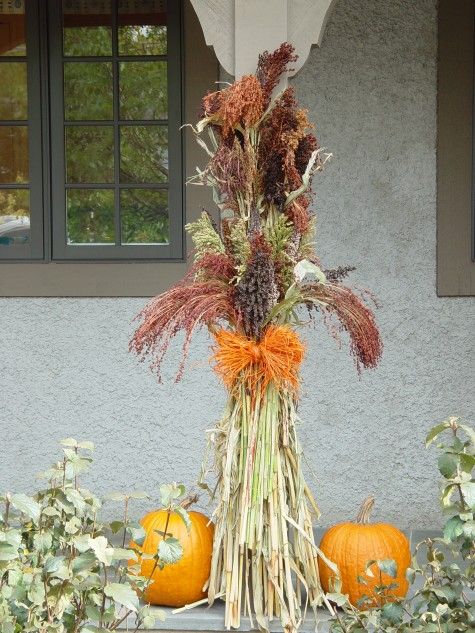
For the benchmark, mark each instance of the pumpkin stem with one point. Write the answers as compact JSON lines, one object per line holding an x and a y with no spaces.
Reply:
{"x":365,"y":510}
{"x":189,"y":501}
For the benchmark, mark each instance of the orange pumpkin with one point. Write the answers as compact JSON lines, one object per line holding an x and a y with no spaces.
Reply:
{"x":352,"y":545}
{"x":182,"y":582}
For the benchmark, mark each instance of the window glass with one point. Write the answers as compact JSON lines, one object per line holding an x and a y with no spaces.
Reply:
{"x":87,"y":28}
{"x":14,"y":217}
{"x":88,"y":91}
{"x":14,"y":159}
{"x":143,"y":90}
{"x":143,"y":153}
{"x":90,"y":216}
{"x":80,"y":41}
{"x":89,"y":154}
{"x":144,"y":216}
{"x":12,"y":28}
{"x":13,"y":94}
{"x":13,"y":154}
{"x":142,"y":27}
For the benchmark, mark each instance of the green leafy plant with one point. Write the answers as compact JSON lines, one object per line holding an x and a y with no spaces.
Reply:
{"x":442,"y":573}
{"x":61,"y":569}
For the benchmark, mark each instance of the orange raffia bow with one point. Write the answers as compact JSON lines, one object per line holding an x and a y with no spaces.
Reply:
{"x":276,"y":357}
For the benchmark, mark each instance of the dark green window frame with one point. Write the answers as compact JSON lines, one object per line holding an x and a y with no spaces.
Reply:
{"x":47,"y":186}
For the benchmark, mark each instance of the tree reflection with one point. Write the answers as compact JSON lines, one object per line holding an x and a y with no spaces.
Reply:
{"x":90,"y":216}
{"x":142,"y":39}
{"x":144,"y":215}
{"x":143,"y":154}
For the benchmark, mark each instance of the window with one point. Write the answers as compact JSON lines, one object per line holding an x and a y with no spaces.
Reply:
{"x":90,"y":141}
{"x":20,"y":130}
{"x":455,"y":151}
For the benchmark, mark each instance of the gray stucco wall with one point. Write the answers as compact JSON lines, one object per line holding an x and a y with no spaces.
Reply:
{"x":64,"y":364}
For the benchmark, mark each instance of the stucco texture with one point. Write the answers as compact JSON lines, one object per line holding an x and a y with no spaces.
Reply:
{"x":65,"y":369}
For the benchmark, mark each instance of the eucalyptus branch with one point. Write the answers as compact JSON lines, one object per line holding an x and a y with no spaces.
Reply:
{"x":103,"y":603}
{"x":7,"y":510}
{"x":126,"y":518}
{"x":169,"y":511}
{"x":115,"y":625}
{"x":447,"y":571}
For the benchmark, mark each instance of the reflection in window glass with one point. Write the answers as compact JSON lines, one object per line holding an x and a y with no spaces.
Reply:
{"x":89,"y":154}
{"x":142,"y":40}
{"x":90,"y":216}
{"x":13,"y":154}
{"x":88,"y":91}
{"x":12,"y":28}
{"x":87,"y":28}
{"x":14,"y":217}
{"x":13,"y":93}
{"x":144,"y":216}
{"x":86,"y":40}
{"x":143,"y":153}
{"x":142,"y":27}
{"x":143,"y":90}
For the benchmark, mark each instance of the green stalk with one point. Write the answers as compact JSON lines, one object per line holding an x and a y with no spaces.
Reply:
{"x":264,"y":507}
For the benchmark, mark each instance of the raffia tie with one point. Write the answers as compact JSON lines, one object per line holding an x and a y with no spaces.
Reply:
{"x":276,"y":357}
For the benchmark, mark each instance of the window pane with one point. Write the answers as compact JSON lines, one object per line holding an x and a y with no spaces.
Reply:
{"x":143,"y":90}
{"x":142,"y":27}
{"x":87,"y":41}
{"x":143,"y":154}
{"x":90,"y":216}
{"x":13,"y":91}
{"x":88,"y":91}
{"x":87,"y":27}
{"x":142,"y":40}
{"x":13,"y":154}
{"x":89,"y":154}
{"x":14,"y":217}
{"x":144,"y":216}
{"x":12,"y":28}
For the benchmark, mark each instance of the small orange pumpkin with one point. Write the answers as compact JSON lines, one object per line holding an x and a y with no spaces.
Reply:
{"x":352,"y":545}
{"x":182,"y":582}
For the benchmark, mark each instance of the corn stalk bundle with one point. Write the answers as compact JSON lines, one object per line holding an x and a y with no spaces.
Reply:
{"x":264,"y":550}
{"x":253,"y":275}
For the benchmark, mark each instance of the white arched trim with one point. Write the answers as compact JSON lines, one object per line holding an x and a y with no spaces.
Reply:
{"x":239,"y":30}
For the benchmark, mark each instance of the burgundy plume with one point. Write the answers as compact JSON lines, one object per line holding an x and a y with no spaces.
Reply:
{"x":355,"y":317}
{"x":183,"y":307}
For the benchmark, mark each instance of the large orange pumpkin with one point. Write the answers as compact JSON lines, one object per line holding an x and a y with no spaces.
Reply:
{"x":352,"y":545}
{"x":180,"y":583}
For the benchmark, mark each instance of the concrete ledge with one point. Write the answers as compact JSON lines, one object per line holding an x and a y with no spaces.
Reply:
{"x":204,"y":619}
{"x":210,"y":619}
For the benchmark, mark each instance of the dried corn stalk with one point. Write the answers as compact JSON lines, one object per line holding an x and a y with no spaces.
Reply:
{"x":249,"y":278}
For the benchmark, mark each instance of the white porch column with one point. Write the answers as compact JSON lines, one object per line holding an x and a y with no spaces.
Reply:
{"x":239,"y":30}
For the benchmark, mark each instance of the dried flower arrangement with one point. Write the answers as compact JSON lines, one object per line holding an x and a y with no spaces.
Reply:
{"x":249,"y":277}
